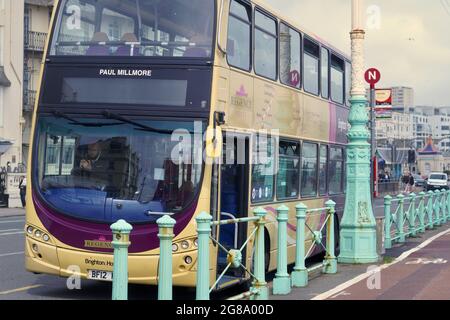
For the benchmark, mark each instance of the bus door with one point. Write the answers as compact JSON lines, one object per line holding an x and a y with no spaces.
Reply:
{"x":234,"y":184}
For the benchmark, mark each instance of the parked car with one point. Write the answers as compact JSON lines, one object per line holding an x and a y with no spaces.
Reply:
{"x":437,"y":181}
{"x":419,"y":181}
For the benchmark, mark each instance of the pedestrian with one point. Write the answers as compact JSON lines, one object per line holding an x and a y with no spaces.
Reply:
{"x":23,"y":190}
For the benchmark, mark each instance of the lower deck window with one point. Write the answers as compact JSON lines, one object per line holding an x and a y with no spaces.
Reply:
{"x":336,"y":171}
{"x":263,"y":169}
{"x":288,"y":170}
{"x":309,"y":170}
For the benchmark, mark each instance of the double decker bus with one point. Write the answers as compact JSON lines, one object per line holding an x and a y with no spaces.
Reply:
{"x":122,"y":77}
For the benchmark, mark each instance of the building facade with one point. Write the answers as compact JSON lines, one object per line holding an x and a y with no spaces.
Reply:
{"x":11,"y":81}
{"x":402,"y":99}
{"x":37,"y":15}
{"x":398,"y":128}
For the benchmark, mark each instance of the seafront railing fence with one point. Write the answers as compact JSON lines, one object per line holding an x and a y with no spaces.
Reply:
{"x":412,"y":214}
{"x":310,"y":235}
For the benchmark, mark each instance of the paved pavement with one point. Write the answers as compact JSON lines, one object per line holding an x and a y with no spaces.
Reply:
{"x":422,"y":275}
{"x":400,"y":276}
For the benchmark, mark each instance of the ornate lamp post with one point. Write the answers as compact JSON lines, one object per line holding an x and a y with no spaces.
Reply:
{"x":358,"y":240}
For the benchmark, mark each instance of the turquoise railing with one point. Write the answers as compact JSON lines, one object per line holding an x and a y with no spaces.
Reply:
{"x":412,"y":214}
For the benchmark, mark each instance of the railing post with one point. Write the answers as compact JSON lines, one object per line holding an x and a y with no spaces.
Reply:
{"x":121,"y":241}
{"x":387,"y":222}
{"x":430,"y":210}
{"x":412,"y":215}
{"x":203,"y":279}
{"x":422,"y":196}
{"x":259,"y":284}
{"x":401,"y":219}
{"x":443,"y":206}
{"x":165,"y":235}
{"x":330,"y":262}
{"x":282,"y":281}
{"x":448,"y":207}
{"x":300,"y":273}
{"x":437,"y":208}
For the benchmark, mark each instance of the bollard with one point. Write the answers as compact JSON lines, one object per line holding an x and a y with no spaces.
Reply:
{"x":387,"y":222}
{"x":330,"y":262}
{"x":204,"y":231}
{"x":448,"y":207}
{"x":412,"y":215}
{"x":300,"y":273}
{"x":165,"y":235}
{"x":422,"y":196}
{"x":282,"y":281}
{"x":430,"y":210}
{"x":443,"y":206}
{"x":437,"y":208}
{"x":259,"y":284}
{"x":401,"y":219}
{"x":121,"y":241}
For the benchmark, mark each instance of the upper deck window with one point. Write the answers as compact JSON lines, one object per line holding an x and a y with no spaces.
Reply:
{"x":324,"y":72}
{"x":265,"y":46}
{"x":239,"y":36}
{"x":311,"y":66}
{"x":337,"y":79}
{"x":170,"y":28}
{"x":290,"y":53}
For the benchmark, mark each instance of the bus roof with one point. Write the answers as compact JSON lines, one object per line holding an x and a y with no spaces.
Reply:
{"x":263,"y":4}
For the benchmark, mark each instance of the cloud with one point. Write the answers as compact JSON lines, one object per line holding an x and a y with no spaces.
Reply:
{"x":411,"y":48}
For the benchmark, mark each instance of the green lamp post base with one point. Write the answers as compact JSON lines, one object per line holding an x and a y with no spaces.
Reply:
{"x":358,"y":246}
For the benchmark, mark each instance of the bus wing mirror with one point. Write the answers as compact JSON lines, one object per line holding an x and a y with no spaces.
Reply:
{"x":214,"y":142}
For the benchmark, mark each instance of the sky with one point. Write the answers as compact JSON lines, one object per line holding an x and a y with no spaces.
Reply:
{"x":407,"y":40}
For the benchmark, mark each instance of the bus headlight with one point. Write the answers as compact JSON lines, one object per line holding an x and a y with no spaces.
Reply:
{"x":196,"y":243}
{"x":188,"y":260}
{"x":174,"y":247}
{"x":46,"y":238}
{"x":37,"y":234}
{"x":30,"y":230}
{"x":185,"y":245}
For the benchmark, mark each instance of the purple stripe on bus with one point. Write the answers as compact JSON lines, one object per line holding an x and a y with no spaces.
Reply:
{"x":74,"y":232}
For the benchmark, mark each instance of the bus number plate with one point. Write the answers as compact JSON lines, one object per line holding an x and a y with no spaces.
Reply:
{"x":100,"y":275}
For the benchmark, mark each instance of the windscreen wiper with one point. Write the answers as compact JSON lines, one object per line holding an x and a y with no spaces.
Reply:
{"x":84,"y":124}
{"x":118,"y":117}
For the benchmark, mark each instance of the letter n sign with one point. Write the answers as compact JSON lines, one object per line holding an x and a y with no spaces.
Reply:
{"x":373,"y":76}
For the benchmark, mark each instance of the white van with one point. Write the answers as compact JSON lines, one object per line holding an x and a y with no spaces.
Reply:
{"x":437,"y":181}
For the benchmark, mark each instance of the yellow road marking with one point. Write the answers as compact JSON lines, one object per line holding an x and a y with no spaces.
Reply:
{"x":20,"y":289}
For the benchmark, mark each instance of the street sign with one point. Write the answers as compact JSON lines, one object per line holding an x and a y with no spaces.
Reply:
{"x":372,"y":76}
{"x":383,"y":103}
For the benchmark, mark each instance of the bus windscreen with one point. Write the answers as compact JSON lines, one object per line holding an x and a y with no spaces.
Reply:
{"x":134,"y":28}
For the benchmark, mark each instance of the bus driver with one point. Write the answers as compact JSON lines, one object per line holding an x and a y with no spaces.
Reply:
{"x":93,"y":156}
